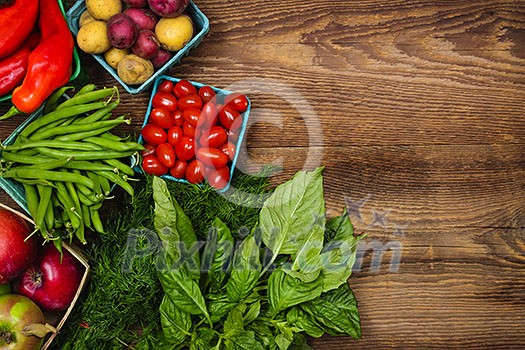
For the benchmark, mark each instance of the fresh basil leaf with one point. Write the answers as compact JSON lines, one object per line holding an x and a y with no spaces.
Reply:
{"x":219,"y":308}
{"x":234,"y":323}
{"x":285,"y":291}
{"x":253,"y":312}
{"x":217,"y":254}
{"x":204,"y":339}
{"x":298,"y":318}
{"x":174,"y":229}
{"x":245,"y":272}
{"x":296,"y":207}
{"x":339,"y":253}
{"x":176,"y":324}
{"x":337,"y":311}
{"x":243,"y":341}
{"x":184,"y":291}
{"x":300,"y":343}
{"x":283,"y":342}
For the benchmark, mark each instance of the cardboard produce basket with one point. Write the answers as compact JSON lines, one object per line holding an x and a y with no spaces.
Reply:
{"x":58,"y":319}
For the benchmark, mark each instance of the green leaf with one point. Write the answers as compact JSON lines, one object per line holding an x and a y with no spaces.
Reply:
{"x":174,"y":228}
{"x":298,"y":318}
{"x":245,"y":272}
{"x":300,"y":343}
{"x":217,"y":254}
{"x":219,"y":308}
{"x":337,"y":311}
{"x":234,"y":323}
{"x":204,"y":339}
{"x":296,"y":207}
{"x":253,"y":312}
{"x":285,"y":291}
{"x":243,"y":341}
{"x":283,"y":342}
{"x":176,"y":324}
{"x":339,"y":253}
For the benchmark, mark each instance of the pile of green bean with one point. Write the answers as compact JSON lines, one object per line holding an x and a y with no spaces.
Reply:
{"x":68,"y":161}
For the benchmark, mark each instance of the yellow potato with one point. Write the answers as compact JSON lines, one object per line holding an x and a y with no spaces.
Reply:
{"x":114,"y":55}
{"x":93,"y":38}
{"x":174,"y":33}
{"x":133,"y":69}
{"x":104,"y":9}
{"x":85,"y":18}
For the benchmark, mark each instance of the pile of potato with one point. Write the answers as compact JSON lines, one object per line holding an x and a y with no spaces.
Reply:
{"x":136,"y":37}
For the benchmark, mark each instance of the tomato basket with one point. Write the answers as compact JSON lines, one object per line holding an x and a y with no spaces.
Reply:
{"x":201,"y":25}
{"x":220,"y":93}
{"x":76,"y":60}
{"x":58,"y":319}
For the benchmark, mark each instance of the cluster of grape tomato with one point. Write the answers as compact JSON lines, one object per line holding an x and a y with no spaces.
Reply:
{"x":192,"y":133}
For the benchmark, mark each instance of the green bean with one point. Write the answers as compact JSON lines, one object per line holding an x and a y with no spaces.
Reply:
{"x":25,"y":172}
{"x":74,"y":164}
{"x":31,"y":198}
{"x":71,"y":129}
{"x":34,"y":182}
{"x":44,"y":193}
{"x":82,"y":135}
{"x":117,"y":180}
{"x":86,"y":88}
{"x":50,"y":218}
{"x":86,"y":97}
{"x":95,"y":220}
{"x":53,"y":164}
{"x":83,"y":155}
{"x":87,"y":165}
{"x":79,"y":232}
{"x":104,"y":184}
{"x":85,"y":200}
{"x":114,"y":145}
{"x":96,"y":188}
{"x":101,"y":113}
{"x":59,"y":115}
{"x":55,"y":96}
{"x":114,"y":137}
{"x":86,"y":215}
{"x":82,"y":146}
{"x":120,"y":166}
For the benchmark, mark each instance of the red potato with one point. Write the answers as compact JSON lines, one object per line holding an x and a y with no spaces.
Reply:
{"x":122,"y":31}
{"x":168,"y":8}
{"x":147,"y":45}
{"x":143,"y":18}
{"x":161,"y":58}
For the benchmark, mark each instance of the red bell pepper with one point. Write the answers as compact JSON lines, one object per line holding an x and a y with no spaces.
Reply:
{"x":13,"y":68}
{"x":50,"y":63}
{"x":17,"y":21}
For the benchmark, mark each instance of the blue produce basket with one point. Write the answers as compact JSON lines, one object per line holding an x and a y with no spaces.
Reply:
{"x":219,"y":92}
{"x":201,"y":25}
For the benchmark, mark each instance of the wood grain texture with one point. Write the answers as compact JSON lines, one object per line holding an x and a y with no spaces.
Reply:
{"x":417,"y":108}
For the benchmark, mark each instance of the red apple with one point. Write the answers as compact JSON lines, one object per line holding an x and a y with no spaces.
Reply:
{"x":49,"y":282}
{"x":16,"y":254}
{"x":22,"y":323}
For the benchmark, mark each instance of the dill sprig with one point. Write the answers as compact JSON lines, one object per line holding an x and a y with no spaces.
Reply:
{"x":119,"y":309}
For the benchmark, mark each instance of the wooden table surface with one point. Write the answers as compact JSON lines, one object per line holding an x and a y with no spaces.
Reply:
{"x":416,"y":109}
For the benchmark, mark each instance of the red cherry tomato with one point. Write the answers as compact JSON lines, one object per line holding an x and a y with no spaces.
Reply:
{"x":195,"y":172}
{"x":206,"y":93}
{"x":212,"y":157}
{"x":164,"y":99}
{"x":209,"y":115}
{"x":218,"y":178}
{"x":162,"y":117}
{"x":185,"y":149}
{"x":215,"y":137}
{"x":237,"y":101}
{"x":228,"y":115}
{"x":154,"y":134}
{"x":178,"y":171}
{"x":233,"y":136}
{"x":190,"y":101}
{"x":174,"y":135}
{"x":148,"y":150}
{"x":188,"y":130}
{"x":152,"y":165}
{"x":177,"y":118}
{"x":229,"y":149}
{"x":236,"y":125}
{"x":165,"y":86}
{"x":191,"y":116}
{"x":184,"y":88}
{"x":166,"y":154}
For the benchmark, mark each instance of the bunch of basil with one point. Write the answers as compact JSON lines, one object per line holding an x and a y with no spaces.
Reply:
{"x":287,"y":278}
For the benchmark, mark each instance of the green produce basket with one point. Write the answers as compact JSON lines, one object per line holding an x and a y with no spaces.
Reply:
{"x":76,"y":60}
